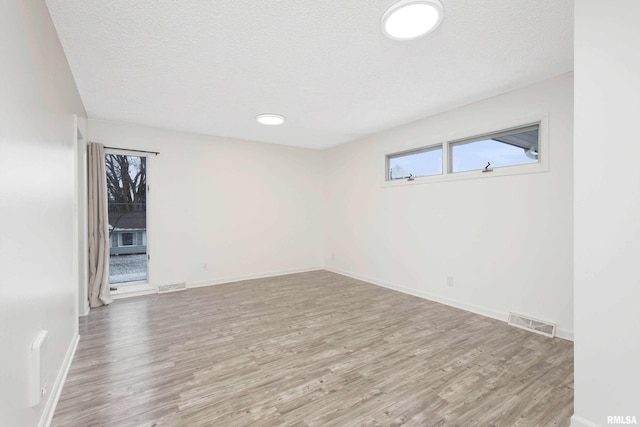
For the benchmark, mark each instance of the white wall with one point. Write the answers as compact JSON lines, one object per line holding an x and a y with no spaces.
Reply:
{"x":607,"y":211}
{"x":507,"y":241}
{"x":246,"y":209}
{"x":82,"y":208}
{"x":37,"y":105}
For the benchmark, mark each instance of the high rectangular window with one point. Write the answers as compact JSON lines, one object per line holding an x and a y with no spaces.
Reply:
{"x":414,"y":164}
{"x":507,"y":148}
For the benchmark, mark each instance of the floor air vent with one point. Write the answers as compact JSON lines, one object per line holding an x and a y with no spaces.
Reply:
{"x":533,"y":325}
{"x":172,"y":287}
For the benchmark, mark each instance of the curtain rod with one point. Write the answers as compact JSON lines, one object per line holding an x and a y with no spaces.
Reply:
{"x":135,"y":151}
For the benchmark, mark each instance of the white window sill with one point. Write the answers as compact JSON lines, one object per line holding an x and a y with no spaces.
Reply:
{"x":477,"y":174}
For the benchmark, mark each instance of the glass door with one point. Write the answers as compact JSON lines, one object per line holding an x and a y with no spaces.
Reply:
{"x":127,"y":207}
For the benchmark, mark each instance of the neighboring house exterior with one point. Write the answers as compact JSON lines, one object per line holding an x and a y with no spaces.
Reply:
{"x":127,"y":233}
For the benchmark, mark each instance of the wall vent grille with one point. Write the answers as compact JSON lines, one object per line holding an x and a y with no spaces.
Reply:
{"x":172,"y":287}
{"x":533,"y":325}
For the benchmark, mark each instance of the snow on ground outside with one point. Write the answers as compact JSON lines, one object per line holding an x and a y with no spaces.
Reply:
{"x":127,"y":268}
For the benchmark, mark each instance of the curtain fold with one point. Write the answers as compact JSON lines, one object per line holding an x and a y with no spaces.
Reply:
{"x":98,"y":224}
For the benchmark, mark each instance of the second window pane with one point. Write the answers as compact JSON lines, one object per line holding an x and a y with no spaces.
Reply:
{"x":518,"y":147}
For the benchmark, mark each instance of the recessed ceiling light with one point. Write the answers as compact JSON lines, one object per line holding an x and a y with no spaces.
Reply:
{"x":270,"y":119}
{"x":411,"y":19}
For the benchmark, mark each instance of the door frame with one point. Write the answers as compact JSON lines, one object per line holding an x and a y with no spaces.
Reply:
{"x":141,"y":288}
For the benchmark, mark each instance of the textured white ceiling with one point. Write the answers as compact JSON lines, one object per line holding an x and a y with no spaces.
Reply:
{"x":210,"y":67}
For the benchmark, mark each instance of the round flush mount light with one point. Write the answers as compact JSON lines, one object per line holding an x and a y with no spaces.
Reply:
{"x":270,"y":119}
{"x":411,"y":19}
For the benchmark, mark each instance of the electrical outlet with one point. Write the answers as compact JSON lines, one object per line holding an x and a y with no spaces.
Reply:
{"x":333,"y":256}
{"x":205,"y":267}
{"x":449,"y":280}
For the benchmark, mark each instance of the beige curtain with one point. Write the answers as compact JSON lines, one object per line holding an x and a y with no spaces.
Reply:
{"x":98,"y":228}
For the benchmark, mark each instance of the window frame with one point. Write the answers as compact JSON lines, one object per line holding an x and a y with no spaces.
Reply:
{"x":488,"y":136}
{"x":149,"y":286}
{"x":478,"y":132}
{"x":121,"y":236}
{"x":420,"y":150}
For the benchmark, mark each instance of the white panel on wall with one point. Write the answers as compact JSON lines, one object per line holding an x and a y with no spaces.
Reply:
{"x":39,"y":373}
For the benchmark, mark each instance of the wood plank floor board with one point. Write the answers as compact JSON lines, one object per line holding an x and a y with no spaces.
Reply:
{"x":309,"y":349}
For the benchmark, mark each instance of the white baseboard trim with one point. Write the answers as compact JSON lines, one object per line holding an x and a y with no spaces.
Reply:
{"x":146,"y":289}
{"x":578,"y":421}
{"x":231,"y":279}
{"x":484,"y":311}
{"x":564,"y":334}
{"x":50,"y":407}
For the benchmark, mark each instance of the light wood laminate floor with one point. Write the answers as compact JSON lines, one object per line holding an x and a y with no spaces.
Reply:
{"x":310,"y":349}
